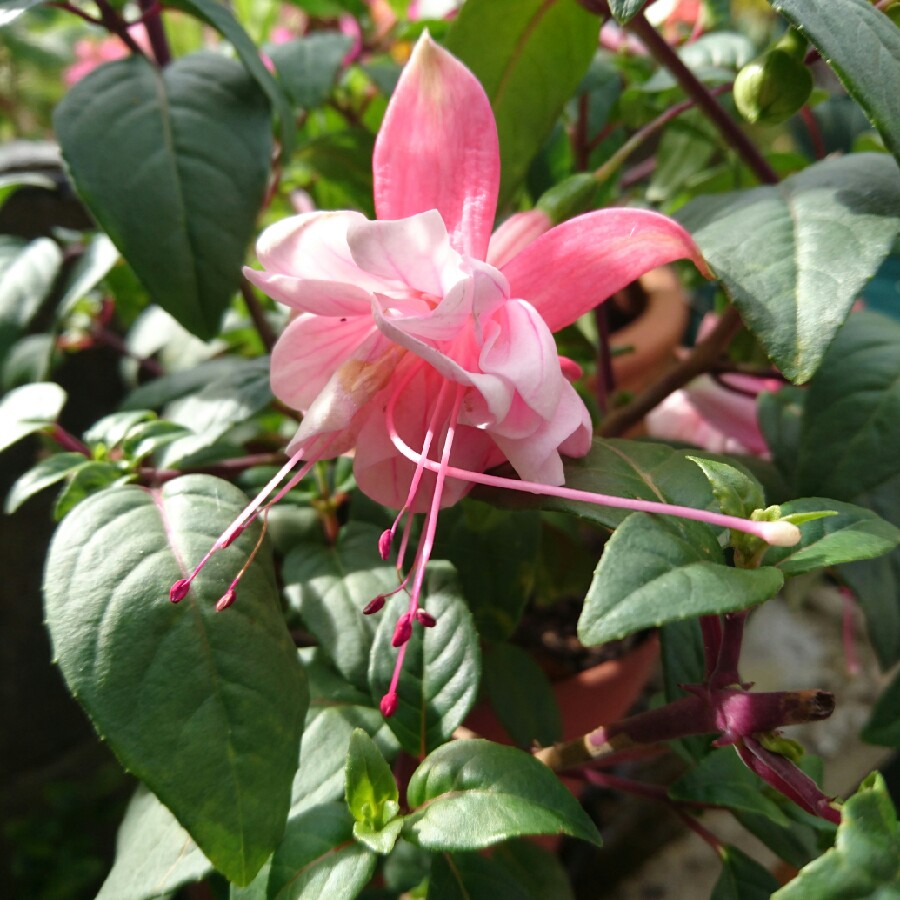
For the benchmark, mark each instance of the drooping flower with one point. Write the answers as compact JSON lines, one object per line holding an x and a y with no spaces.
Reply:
{"x":430,"y":363}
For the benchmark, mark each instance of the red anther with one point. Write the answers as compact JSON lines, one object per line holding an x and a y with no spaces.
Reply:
{"x":426,"y":620}
{"x":373,"y":606}
{"x":384,"y":544}
{"x":179,"y":590}
{"x":233,"y":537}
{"x":403,"y":631}
{"x":388,"y":705}
{"x":226,"y":599}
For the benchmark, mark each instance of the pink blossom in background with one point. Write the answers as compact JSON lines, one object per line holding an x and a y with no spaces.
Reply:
{"x":431,"y":364}
{"x":93,"y":52}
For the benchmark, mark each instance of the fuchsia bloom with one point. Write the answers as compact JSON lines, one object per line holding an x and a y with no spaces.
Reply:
{"x":428,"y":362}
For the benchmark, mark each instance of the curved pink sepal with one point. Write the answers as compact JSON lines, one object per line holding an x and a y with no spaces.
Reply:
{"x":437,"y":149}
{"x":573,"y":267}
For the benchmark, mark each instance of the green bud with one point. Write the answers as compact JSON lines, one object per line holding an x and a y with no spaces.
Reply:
{"x":575,"y":195}
{"x":772,"y":88}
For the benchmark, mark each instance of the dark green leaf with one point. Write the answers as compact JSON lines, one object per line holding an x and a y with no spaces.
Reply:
{"x":624,"y":10}
{"x":442,"y":667}
{"x":721,"y":779}
{"x":883,"y":727}
{"x":742,"y":878}
{"x":154,"y":854}
{"x":90,"y":477}
{"x":47,"y":472}
{"x":173,"y":165}
{"x":521,"y":696}
{"x":330,"y":585}
{"x":876,"y":584}
{"x":309,"y":66}
{"x":780,"y":417}
{"x":862,"y":45}
{"x":804,"y":839}
{"x":99,"y":256}
{"x":319,"y":858}
{"x":495,"y":553}
{"x":654,"y":570}
{"x":683,"y":662}
{"x":854,"y":533}
{"x":537,"y":870}
{"x":29,"y":409}
{"x":470,"y":876}
{"x":513,"y":46}
{"x":220,"y":17}
{"x":472,"y":794}
{"x":320,"y":774}
{"x":370,"y":789}
{"x":822,"y":234}
{"x":865,"y":860}
{"x":851,"y":420}
{"x":737,"y":493}
{"x":206,"y":709}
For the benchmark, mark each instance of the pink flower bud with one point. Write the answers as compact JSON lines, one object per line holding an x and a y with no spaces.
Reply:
{"x":179,"y":590}
{"x":388,"y":705}
{"x":226,"y":599}
{"x":373,"y":606}
{"x":403,"y":631}
{"x":426,"y":620}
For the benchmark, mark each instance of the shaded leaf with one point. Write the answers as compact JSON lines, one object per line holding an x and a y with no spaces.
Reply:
{"x":821,"y":233}
{"x":470,"y":876}
{"x":173,"y":164}
{"x":876,"y":585}
{"x":309,"y":66}
{"x":883,"y":727}
{"x":474,"y":794}
{"x":743,"y":878}
{"x":206,"y":709}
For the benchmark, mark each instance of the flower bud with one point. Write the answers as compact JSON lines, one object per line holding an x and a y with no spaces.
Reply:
{"x":772,"y":88}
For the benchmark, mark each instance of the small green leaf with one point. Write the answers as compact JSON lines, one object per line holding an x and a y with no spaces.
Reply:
{"x":370,"y":789}
{"x":521,"y":696}
{"x":319,"y":858}
{"x":473,"y":794}
{"x":851,"y":418}
{"x":111,"y":430}
{"x":737,"y":493}
{"x":822,"y":233}
{"x":854,"y":533}
{"x":511,"y":46}
{"x":175,"y":182}
{"x":309,"y":66}
{"x":441,"y":669}
{"x":154,"y":854}
{"x":865,"y":860}
{"x":47,"y":472}
{"x":330,"y":585}
{"x":654,"y":570}
{"x":883,"y":727}
{"x":90,"y":477}
{"x":624,"y":10}
{"x":206,"y":708}
{"x":862,"y":45}
{"x":29,"y":409}
{"x":27,"y":274}
{"x":381,"y":840}
{"x":742,"y":878}
{"x":721,"y":779}
{"x":99,"y":256}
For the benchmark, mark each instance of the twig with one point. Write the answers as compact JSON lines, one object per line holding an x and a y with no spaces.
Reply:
{"x":258,"y":316}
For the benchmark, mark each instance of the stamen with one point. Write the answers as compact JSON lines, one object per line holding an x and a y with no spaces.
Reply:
{"x":426,"y":620}
{"x":375,"y":605}
{"x":231,"y":594}
{"x":779,"y":534}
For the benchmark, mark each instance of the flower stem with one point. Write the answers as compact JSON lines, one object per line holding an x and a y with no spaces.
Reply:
{"x":694,"y":88}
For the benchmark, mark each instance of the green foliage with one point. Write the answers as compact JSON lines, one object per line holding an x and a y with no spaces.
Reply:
{"x":216,"y":734}
{"x":29,"y":409}
{"x":742,"y":878}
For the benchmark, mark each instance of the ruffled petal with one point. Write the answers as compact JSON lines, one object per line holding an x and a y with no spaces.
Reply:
{"x":310,"y":350}
{"x":324,"y":298}
{"x":437,"y":149}
{"x":578,"y":264}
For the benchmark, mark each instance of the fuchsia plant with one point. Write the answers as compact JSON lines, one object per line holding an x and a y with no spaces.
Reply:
{"x":430,"y":364}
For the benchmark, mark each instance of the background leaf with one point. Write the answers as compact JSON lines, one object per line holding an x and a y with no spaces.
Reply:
{"x":654,"y":570}
{"x":173,"y":165}
{"x":474,"y":794}
{"x":743,"y":878}
{"x":309,"y":66}
{"x":862,"y":45}
{"x":206,"y":709}
{"x":441,"y":670}
{"x":624,"y":10}
{"x":883,"y":727}
{"x":530,"y":56}
{"x":29,"y":409}
{"x":822,"y":234}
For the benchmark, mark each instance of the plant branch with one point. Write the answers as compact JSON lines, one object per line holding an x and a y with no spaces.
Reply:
{"x":156,"y":32}
{"x":115,"y":24}
{"x":694,"y":88}
{"x":700,"y":360}
{"x":258,"y":316}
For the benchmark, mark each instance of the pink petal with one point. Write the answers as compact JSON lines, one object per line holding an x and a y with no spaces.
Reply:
{"x":515,"y":234}
{"x":413,"y":252}
{"x":578,"y":264}
{"x":437,"y":149}
{"x":325,"y":298}
{"x":310,"y":350}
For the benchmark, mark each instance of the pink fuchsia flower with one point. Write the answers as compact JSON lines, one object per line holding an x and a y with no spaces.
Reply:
{"x":407,"y":347}
{"x":93,"y":52}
